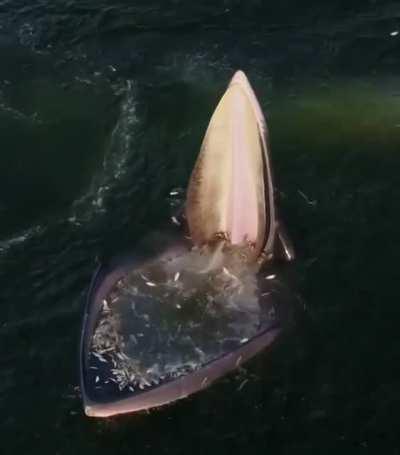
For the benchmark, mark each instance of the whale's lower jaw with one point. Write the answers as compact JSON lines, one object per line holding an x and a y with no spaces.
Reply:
{"x":230,"y":193}
{"x":249,"y":300}
{"x":185,"y":386}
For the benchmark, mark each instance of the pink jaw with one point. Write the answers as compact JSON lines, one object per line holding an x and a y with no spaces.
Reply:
{"x":230,"y":181}
{"x":243,"y":219}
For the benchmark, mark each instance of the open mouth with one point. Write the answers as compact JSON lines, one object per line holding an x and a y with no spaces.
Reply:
{"x":160,"y":328}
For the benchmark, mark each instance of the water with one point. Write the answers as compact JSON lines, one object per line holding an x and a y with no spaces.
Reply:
{"x":176,"y":313}
{"x":102,"y":110}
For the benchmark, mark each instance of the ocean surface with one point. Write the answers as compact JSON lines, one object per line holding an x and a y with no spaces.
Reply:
{"x":103,"y":106}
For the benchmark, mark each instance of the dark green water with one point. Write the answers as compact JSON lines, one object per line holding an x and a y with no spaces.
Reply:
{"x":102,"y":109}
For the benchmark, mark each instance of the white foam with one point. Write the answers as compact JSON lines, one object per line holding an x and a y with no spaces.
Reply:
{"x":115,"y":163}
{"x":22,"y":237}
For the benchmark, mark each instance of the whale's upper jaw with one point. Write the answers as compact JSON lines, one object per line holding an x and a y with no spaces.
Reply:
{"x":230,"y":193}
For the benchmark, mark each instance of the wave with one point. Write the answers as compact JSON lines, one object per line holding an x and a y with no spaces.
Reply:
{"x":20,"y":238}
{"x":115,"y":163}
{"x":112,"y":171}
{"x":18,"y":115}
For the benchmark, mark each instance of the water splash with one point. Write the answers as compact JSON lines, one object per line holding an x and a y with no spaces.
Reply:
{"x":27,"y":234}
{"x":115,"y":163}
{"x":16,"y":114}
{"x":171,"y":317}
{"x":112,"y":172}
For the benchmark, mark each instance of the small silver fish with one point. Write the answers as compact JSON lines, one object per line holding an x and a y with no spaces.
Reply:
{"x":105,"y":306}
{"x":133,"y":338}
{"x":175,"y":220}
{"x":242,"y":384}
{"x":199,"y":352}
{"x":100,"y":357}
{"x":238,"y":361}
{"x":114,"y":299}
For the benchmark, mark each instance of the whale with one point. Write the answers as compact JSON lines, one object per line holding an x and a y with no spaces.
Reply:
{"x":162,"y":324}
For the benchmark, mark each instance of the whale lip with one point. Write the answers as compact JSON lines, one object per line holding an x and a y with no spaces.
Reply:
{"x":241,"y":79}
